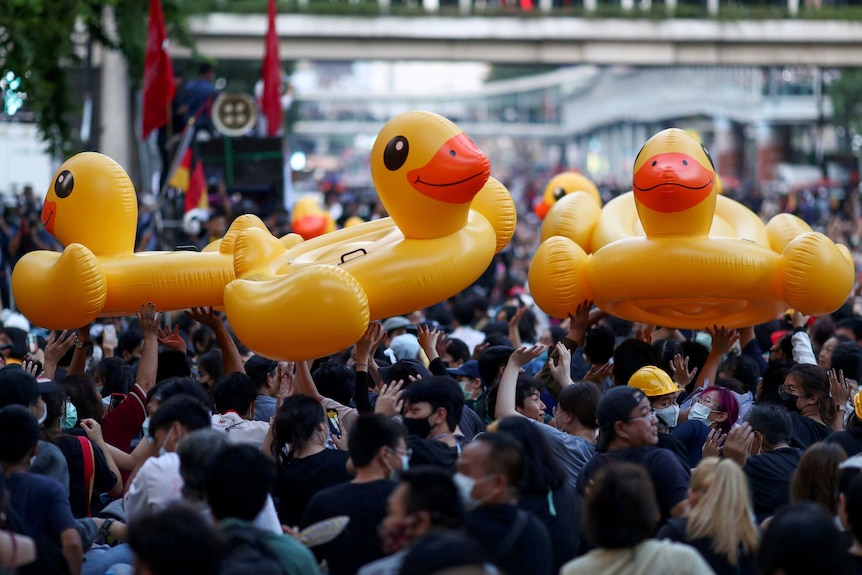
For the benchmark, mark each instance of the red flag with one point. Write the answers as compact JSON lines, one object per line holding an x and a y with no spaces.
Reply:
{"x":270,"y":103}
{"x":189,"y":178}
{"x":158,"y":72}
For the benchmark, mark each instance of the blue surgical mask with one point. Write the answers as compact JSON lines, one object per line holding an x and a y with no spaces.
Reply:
{"x":699,"y":412}
{"x":70,"y":417}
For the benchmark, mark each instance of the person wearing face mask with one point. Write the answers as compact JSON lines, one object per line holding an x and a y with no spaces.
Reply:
{"x":572,"y":438}
{"x":376,"y":446}
{"x":715,"y":408}
{"x":425,"y":499}
{"x":489,"y":477}
{"x":628,"y":432}
{"x":432,"y":410}
{"x":806,"y":395}
{"x":17,"y":387}
{"x":38,"y":502}
{"x":297,"y":441}
{"x":662,"y":393}
{"x":761,"y":446}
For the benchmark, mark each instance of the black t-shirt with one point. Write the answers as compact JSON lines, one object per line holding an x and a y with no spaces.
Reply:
{"x":104,"y":479}
{"x":563,"y":520}
{"x":366,"y":505}
{"x":857,"y":564}
{"x":669,"y":476}
{"x":300,"y":479}
{"x":525,"y":553}
{"x":674,"y":530}
{"x":432,"y":452}
{"x":677,"y":447}
{"x":807,"y":431}
{"x":850,"y":440}
{"x":768,"y":477}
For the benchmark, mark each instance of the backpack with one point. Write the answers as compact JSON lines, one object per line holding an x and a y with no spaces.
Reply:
{"x":247,"y":552}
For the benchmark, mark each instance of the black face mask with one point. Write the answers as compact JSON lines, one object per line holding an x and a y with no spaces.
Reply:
{"x":788,"y":400}
{"x":419,"y":426}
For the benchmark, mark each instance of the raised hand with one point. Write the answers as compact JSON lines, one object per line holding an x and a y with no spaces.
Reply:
{"x":57,"y":345}
{"x":679,"y":368}
{"x":738,"y":443}
{"x":389,"y":401}
{"x":722,"y":338}
{"x":514,"y":332}
{"x":645,"y":333}
{"x":93,"y":430}
{"x":149,"y":318}
{"x":428,"y":337}
{"x":204,"y":315}
{"x":369,"y":341}
{"x":599,"y":373}
{"x":713,"y":443}
{"x":524,"y":354}
{"x":562,"y":368}
{"x":172,"y":339}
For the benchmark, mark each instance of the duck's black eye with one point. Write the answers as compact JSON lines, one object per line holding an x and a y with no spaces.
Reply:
{"x":64,"y":184}
{"x":395,"y":153}
{"x":559,"y":193}
{"x":708,"y":157}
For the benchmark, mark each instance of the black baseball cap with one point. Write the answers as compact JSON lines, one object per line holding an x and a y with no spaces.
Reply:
{"x":615,"y":405}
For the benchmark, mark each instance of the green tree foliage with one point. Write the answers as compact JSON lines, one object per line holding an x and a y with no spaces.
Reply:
{"x":846,"y":94}
{"x":42,"y":40}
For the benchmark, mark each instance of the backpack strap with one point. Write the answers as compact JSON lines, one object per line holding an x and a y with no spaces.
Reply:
{"x":89,"y":468}
{"x":511,"y":537}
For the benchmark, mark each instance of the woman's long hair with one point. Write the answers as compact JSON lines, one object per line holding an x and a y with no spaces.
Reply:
{"x":817,"y":476}
{"x":815,"y":381}
{"x":294,"y":425}
{"x":723,"y":511}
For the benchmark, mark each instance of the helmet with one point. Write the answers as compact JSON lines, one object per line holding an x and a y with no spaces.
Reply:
{"x":653,"y":381}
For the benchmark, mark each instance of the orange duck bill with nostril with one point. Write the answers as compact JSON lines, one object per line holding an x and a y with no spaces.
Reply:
{"x":672,"y":182}
{"x":455,"y":174}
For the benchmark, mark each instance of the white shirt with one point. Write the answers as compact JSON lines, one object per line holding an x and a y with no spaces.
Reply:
{"x":159,"y":483}
{"x":241,"y":430}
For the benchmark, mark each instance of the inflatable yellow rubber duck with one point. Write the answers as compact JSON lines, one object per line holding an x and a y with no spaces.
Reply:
{"x":447,"y":220}
{"x":310,"y":219}
{"x":91,"y":208}
{"x":560,"y":186}
{"x":669,"y":262}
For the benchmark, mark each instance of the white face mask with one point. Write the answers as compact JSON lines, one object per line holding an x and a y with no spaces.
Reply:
{"x":145,"y":428}
{"x":669,"y":415}
{"x":465,"y":485}
{"x":699,"y":412}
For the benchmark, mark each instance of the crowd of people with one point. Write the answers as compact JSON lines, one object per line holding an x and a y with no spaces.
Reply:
{"x":475,"y":434}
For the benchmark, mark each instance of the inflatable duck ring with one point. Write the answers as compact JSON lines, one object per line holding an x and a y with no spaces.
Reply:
{"x":683,"y":257}
{"x":447,"y":220}
{"x":562,"y":185}
{"x":91,"y":208}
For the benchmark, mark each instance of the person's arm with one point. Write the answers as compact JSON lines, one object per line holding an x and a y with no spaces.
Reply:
{"x":364,"y":357}
{"x":748,"y":345}
{"x":79,"y":358}
{"x":738,"y":444}
{"x":840,"y":391}
{"x":722,"y":340}
{"x":579,"y":323}
{"x":303,"y":383}
{"x":514,"y":332}
{"x":21,"y":547}
{"x":508,"y":382}
{"x":148,"y":366}
{"x":73,"y":551}
{"x":55,"y":348}
{"x":94,"y":433}
{"x":229,"y":352}
{"x":803,"y":353}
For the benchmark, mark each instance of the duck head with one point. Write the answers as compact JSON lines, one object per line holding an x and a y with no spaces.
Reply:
{"x":92,"y":202}
{"x":561,"y":185}
{"x":426,"y":171}
{"x":674,"y":185}
{"x":310,"y":219}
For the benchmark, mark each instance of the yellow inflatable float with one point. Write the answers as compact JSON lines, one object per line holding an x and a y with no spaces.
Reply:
{"x":91,"y":208}
{"x":310,"y":219}
{"x":674,"y":253}
{"x":561,"y":185}
{"x":447,"y":220}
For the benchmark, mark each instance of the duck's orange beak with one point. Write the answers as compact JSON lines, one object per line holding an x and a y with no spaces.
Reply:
{"x":672,"y":182}
{"x":542,"y":209}
{"x":455,"y":174}
{"x":49,"y":213}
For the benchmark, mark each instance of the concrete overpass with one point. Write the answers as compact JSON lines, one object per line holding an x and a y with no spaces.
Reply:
{"x":536,"y":40}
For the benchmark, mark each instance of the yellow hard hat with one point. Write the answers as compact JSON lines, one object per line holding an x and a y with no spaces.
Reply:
{"x":653,"y":381}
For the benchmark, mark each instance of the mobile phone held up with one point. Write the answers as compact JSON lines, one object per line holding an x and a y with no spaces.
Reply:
{"x":334,"y":425}
{"x":109,"y":335}
{"x":32,"y":343}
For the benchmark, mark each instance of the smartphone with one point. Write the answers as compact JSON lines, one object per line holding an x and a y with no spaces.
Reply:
{"x":334,"y":426}
{"x":116,"y":400}
{"x":109,"y":335}
{"x":32,"y":343}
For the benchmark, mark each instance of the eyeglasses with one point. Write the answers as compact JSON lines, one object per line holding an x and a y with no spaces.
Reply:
{"x":650,"y":417}
{"x":403,"y":452}
{"x":707,"y":402}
